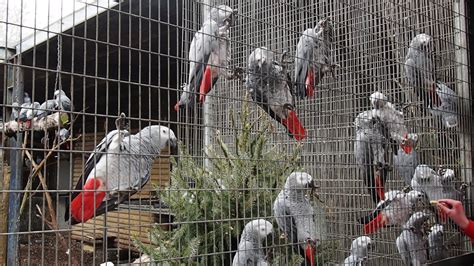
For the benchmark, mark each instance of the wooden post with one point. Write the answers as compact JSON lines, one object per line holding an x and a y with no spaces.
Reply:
{"x":16,"y":164}
{"x":4,"y":214}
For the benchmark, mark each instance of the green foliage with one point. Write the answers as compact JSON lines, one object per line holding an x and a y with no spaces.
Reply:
{"x":240,"y":185}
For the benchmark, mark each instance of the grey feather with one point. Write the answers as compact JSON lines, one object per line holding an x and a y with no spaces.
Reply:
{"x":411,"y":243}
{"x":447,"y":109}
{"x":438,"y":250}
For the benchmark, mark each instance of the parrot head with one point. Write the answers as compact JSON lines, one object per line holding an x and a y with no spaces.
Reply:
{"x":361,"y":244}
{"x":262,"y":57}
{"x":423,"y":173}
{"x":421,"y":42}
{"x":299,"y":180}
{"x":161,"y":137}
{"x":260,"y":227}
{"x":378,"y":100}
{"x":437,"y":230}
{"x":417,"y":198}
{"x":222,"y":14}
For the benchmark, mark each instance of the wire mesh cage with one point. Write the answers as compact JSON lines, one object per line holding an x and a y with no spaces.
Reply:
{"x":234,"y":132}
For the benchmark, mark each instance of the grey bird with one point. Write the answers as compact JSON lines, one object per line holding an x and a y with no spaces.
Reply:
{"x":437,"y":249}
{"x":47,"y":108}
{"x":405,"y":163}
{"x":370,"y":149}
{"x":313,"y":58}
{"x":359,"y":251}
{"x":435,"y":185}
{"x":28,"y":112}
{"x":394,"y":210}
{"x":209,"y":56}
{"x":295,"y":215}
{"x":250,"y":250}
{"x":268,"y":84}
{"x":419,"y":68}
{"x":24,"y":107}
{"x":411,"y":243}
{"x":119,"y":167}
{"x":63,"y":101}
{"x":446,"y":105}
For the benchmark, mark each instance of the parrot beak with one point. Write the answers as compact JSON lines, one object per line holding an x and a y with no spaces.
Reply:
{"x":173,"y":144}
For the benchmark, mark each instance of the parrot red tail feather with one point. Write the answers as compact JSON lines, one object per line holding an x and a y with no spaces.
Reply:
{"x":206,"y":84}
{"x":310,"y":83}
{"x":292,"y":123}
{"x":310,"y":253}
{"x":83,"y":206}
{"x":375,"y":224}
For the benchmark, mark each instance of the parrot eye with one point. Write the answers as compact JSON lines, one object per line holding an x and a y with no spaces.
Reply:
{"x":163,"y":131}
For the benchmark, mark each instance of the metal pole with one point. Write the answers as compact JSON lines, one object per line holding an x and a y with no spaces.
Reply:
{"x":207,"y":106}
{"x":462,"y":86}
{"x":16,"y":164}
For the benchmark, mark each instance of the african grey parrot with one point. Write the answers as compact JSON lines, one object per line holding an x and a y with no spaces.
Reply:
{"x":60,"y":102}
{"x":23,"y":107}
{"x":359,"y":251}
{"x":370,"y":148}
{"x":269,"y":86}
{"x":313,"y":58}
{"x":250,"y":246}
{"x":394,"y":209}
{"x":393,"y":121}
{"x":209,"y":56}
{"x":64,"y":103}
{"x":119,"y":166}
{"x":295,"y":215}
{"x":28,"y":112}
{"x":446,"y":105}
{"x":435,"y":185}
{"x":419,"y":68}
{"x":405,"y":163}
{"x":437,"y":249}
{"x":411,"y":243}
{"x":420,"y":72}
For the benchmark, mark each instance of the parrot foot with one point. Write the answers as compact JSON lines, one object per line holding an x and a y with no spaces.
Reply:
{"x":406,"y":189}
{"x":236,"y":73}
{"x":463,"y":188}
{"x":121,"y":122}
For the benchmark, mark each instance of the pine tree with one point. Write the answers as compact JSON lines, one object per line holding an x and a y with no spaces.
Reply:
{"x":211,"y":206}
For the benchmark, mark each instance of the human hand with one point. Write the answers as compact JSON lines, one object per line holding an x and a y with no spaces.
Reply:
{"x":454,"y":210}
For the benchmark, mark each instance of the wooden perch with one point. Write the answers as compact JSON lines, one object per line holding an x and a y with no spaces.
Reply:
{"x":55,"y":120}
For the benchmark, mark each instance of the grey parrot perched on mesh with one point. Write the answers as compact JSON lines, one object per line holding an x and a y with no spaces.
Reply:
{"x":393,"y":120}
{"x":250,"y":251}
{"x":435,"y":185}
{"x":395,"y":209}
{"x":359,"y":251}
{"x":370,"y":148}
{"x":209,"y":56}
{"x":411,"y":243}
{"x":420,"y":73}
{"x":447,"y":106}
{"x":405,"y":163}
{"x":437,"y":249}
{"x":313,"y":58}
{"x":119,"y":166}
{"x":295,"y":215}
{"x":268,"y":84}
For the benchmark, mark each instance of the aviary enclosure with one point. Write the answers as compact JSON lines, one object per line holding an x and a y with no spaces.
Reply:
{"x":234,"y":132}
